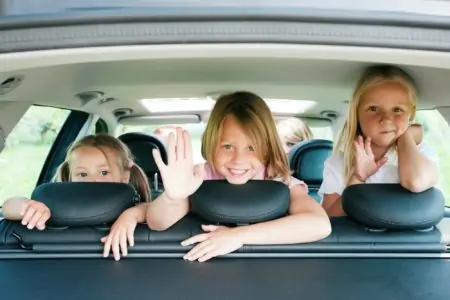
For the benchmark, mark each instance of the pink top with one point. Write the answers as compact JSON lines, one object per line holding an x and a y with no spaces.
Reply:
{"x":210,"y":175}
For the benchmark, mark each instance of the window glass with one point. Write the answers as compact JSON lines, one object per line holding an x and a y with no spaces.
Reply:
{"x":436,"y":132}
{"x":26,"y":149}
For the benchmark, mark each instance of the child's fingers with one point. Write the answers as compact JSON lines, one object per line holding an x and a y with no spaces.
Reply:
{"x":44,"y":218}
{"x":200,"y":250}
{"x":195,"y":239}
{"x":180,"y":144}
{"x":416,"y":126}
{"x":123,"y":242}
{"x":360,"y":141}
{"x":28,"y":215}
{"x":187,"y":145}
{"x":107,"y":247}
{"x":130,"y":235}
{"x":358,"y":148}
{"x":34,"y":219}
{"x":208,"y":255}
{"x":210,"y":227}
{"x":158,"y":160}
{"x":171,"y":151}
{"x":367,"y":146}
{"x":115,"y":246}
{"x":24,"y":208}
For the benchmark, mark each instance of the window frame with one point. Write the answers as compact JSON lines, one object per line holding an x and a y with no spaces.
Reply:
{"x":65,"y":137}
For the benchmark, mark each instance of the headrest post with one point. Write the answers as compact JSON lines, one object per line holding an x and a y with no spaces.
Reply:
{"x":155,"y":182}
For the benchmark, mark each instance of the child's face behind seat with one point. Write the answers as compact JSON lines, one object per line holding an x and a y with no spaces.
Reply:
{"x":235,"y":157}
{"x":384,"y":114}
{"x":90,"y":164}
{"x":287,"y":145}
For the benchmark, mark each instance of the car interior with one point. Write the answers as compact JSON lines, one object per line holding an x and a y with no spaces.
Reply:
{"x":392,"y":238}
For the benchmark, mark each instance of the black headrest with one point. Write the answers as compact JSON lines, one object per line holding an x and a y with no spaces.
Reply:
{"x":141,"y":145}
{"x":218,"y":201}
{"x":307,"y":159}
{"x":390,"y":206}
{"x":85,"y":203}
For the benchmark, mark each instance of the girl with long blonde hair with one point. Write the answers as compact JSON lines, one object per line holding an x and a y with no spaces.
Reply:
{"x":378,"y":142}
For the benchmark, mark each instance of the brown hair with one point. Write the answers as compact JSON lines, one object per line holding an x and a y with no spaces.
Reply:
{"x":372,"y":77}
{"x":125,"y":161}
{"x":294,"y":130}
{"x":255,"y":118}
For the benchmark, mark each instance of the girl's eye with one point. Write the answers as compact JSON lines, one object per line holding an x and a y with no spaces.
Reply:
{"x":398,"y":110}
{"x":250,"y":148}
{"x":289,"y":144}
{"x":227,"y":147}
{"x":104,"y":173}
{"x":82,"y":174}
{"x":372,"y":108}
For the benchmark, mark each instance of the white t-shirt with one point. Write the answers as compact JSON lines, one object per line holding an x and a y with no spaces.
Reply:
{"x":333,"y":173}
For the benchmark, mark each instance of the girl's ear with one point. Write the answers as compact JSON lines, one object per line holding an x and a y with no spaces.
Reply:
{"x":126,"y":177}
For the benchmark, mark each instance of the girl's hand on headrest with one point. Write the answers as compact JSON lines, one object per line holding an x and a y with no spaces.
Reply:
{"x":366,"y":165}
{"x":34,"y":214}
{"x":121,"y":235}
{"x":216,"y":241}
{"x":179,"y":176}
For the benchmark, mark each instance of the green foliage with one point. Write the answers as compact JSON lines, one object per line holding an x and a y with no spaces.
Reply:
{"x":39,"y":125}
{"x":21,"y":166}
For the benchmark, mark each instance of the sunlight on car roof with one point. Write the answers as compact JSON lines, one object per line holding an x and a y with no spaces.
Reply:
{"x":170,"y":105}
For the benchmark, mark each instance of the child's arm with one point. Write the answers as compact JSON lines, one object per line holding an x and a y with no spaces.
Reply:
{"x":332,"y":203}
{"x":12,"y":208}
{"x":306,"y":223}
{"x":163,"y":212}
{"x":31,"y":213}
{"x":332,"y":185}
{"x":423,"y":173}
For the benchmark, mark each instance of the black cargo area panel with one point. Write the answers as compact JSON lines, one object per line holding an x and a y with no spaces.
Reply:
{"x":225,"y":278}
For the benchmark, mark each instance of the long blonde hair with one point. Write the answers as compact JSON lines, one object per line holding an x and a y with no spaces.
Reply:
{"x":373,"y":76}
{"x":255,"y":118}
{"x":294,"y":130}
{"x":125,"y":161}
